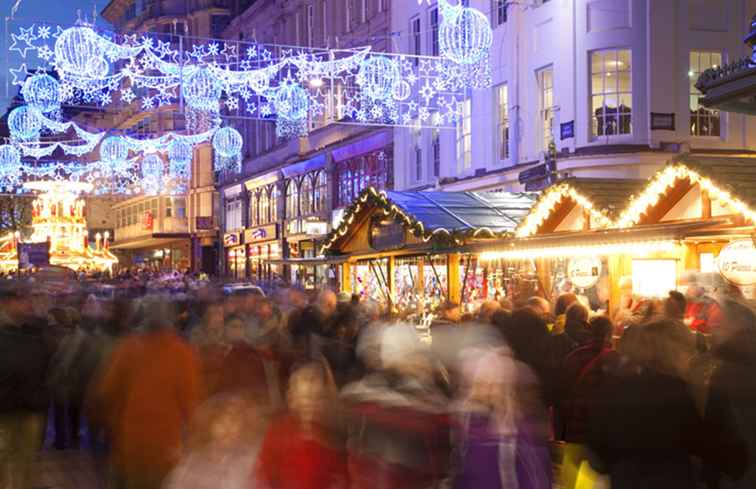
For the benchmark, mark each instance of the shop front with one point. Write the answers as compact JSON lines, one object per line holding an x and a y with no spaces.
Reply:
{"x":404,"y":249}
{"x":262,"y":246}
{"x":304,"y":238}
{"x":236,"y":256}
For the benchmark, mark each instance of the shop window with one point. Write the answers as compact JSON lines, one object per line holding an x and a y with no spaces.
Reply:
{"x":353,"y":176}
{"x":611,"y":92}
{"x":292,"y":199}
{"x":305,"y":196}
{"x":703,"y":121}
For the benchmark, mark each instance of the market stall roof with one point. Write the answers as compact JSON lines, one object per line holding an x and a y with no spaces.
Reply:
{"x":730,"y":179}
{"x":603,"y":198}
{"x":426,"y":214}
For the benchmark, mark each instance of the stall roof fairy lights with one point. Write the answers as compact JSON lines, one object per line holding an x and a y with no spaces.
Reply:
{"x":728,"y":179}
{"x":602,"y":198}
{"x":451,"y":215}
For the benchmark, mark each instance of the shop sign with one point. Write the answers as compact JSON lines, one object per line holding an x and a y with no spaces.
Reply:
{"x":34,"y":254}
{"x":294,"y":227}
{"x":662,"y":122}
{"x":231,"y":239}
{"x":584,"y":272}
{"x":737,"y":262}
{"x":315,"y":228}
{"x":262,"y":233}
{"x":567,"y":130}
{"x":386,"y":234}
{"x":204,"y":222}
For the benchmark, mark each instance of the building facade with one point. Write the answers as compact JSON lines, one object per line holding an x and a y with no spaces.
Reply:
{"x":292,"y":190}
{"x":611,"y":83}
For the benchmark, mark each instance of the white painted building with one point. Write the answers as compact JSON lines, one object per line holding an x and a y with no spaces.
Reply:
{"x":618,"y":73}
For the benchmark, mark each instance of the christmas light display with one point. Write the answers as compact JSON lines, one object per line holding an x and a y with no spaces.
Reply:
{"x":153,"y":171}
{"x":114,"y":149}
{"x":10,"y":164}
{"x":202,"y":89}
{"x":42,"y":92}
{"x":379,"y":77}
{"x":291,"y":102}
{"x":227,"y":142}
{"x":465,"y":35}
{"x":24,"y":123}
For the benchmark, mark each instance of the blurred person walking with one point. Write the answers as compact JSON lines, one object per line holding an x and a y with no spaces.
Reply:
{"x":146,"y":396}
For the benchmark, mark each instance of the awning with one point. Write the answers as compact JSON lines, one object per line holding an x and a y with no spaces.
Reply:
{"x":150,"y":241}
{"x":307,"y":166}
{"x":318,"y":260}
{"x":363,"y":146}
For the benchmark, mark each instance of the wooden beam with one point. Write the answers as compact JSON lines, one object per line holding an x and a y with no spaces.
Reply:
{"x":705,"y":204}
{"x":559,"y":214}
{"x":586,"y":220}
{"x":666,"y":203}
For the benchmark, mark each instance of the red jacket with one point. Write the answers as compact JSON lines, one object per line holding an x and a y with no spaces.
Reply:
{"x":703,"y":316}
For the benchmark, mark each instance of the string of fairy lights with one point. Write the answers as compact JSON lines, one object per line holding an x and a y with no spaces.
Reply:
{"x":207,"y":80}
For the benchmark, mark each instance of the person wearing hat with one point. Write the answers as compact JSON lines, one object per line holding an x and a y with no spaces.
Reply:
{"x":702,"y":313}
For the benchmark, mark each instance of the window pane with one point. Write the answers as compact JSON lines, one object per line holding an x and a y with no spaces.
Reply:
{"x":624,"y":62}
{"x":597,"y":62}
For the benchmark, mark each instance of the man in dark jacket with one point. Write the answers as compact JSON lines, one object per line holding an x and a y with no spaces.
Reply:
{"x":24,"y":358}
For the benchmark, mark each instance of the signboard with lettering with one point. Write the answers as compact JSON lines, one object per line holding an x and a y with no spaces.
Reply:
{"x":737,"y":262}
{"x":34,"y":254}
{"x":386,"y":234}
{"x":148,"y":221}
{"x":315,"y":228}
{"x":231,"y":239}
{"x":662,"y":122}
{"x":203,"y":222}
{"x":584,"y":272}
{"x":262,"y":233}
{"x":567,"y":130}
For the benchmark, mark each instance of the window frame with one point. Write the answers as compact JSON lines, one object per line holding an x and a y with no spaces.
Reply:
{"x":464,"y":137}
{"x":614,"y":122}
{"x":546,"y":106}
{"x":714,"y":118}
{"x":502,"y":121}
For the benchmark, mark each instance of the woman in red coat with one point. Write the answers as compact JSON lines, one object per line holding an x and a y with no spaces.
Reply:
{"x":302,"y":449}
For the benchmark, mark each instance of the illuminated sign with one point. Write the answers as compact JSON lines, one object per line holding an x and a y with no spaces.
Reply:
{"x":584,"y":272}
{"x":737,"y":262}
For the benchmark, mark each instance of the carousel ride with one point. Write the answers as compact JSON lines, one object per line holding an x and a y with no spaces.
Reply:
{"x":58,"y":219}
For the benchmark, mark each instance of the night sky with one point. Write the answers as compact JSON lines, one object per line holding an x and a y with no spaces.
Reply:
{"x":60,"y":11}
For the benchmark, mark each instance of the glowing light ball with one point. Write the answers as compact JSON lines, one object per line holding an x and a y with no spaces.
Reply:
{"x":227,"y":142}
{"x":291,"y":102}
{"x":78,"y":51}
{"x":179,"y":150}
{"x":202,"y":90}
{"x":42,"y":92}
{"x":402,"y":91}
{"x":24,"y":123}
{"x":378,"y":77}
{"x":114,"y":149}
{"x":465,"y":35}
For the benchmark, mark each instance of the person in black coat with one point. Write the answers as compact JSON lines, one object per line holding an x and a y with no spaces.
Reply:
{"x":24,"y":357}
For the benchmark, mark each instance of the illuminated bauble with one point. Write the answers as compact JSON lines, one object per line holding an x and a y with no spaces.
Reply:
{"x":78,"y":52}
{"x":378,"y":77}
{"x":227,"y":142}
{"x":291,"y":102}
{"x":465,"y":35}
{"x":179,"y":150}
{"x":202,"y":90}
{"x":24,"y":123}
{"x":114,"y":149}
{"x":402,"y":91}
{"x":42,"y":92}
{"x":152,"y":174}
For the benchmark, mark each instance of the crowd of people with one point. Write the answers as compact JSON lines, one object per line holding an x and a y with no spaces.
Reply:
{"x":327,"y":391}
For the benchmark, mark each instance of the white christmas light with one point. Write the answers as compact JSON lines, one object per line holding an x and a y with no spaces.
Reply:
{"x":378,"y":77}
{"x":291,"y":102}
{"x":202,"y":90}
{"x":42,"y":92}
{"x":153,"y":171}
{"x":79,"y":53}
{"x":24,"y":123}
{"x":465,"y":35}
{"x":227,"y":142}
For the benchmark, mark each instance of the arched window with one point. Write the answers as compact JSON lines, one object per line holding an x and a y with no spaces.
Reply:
{"x":320,"y":199}
{"x":305,"y":196}
{"x":264,"y":206}
{"x":274,"y":196}
{"x":253,"y":207}
{"x":292,"y":199}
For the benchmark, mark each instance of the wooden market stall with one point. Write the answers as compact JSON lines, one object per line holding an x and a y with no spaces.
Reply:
{"x":605,"y":238}
{"x":403,"y":248}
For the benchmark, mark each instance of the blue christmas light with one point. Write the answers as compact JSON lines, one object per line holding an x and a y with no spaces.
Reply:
{"x":10,"y":166}
{"x":378,"y":77}
{"x":291,"y":101}
{"x":202,"y":90}
{"x":227,"y":142}
{"x":24,"y":123}
{"x":179,"y":158}
{"x":42,"y":92}
{"x":465,"y":35}
{"x":79,"y":52}
{"x":114,"y":149}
